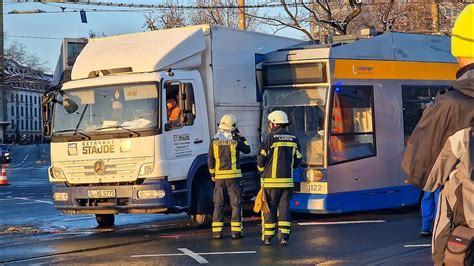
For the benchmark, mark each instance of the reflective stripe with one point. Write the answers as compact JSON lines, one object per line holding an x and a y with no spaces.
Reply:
{"x":260,"y":168}
{"x":275,"y":161}
{"x":284,"y":144}
{"x":278,"y":185}
{"x":298,"y":154}
{"x":212,"y":171}
{"x":263,"y":152}
{"x":217,"y":176}
{"x":270,"y":226}
{"x":229,"y":171}
{"x":235,"y":224}
{"x":285,"y":231}
{"x":246,"y":142}
{"x":216,"y":155}
{"x":284,"y":223}
{"x":217,"y":229}
{"x":276,"y":180}
{"x":233,"y":156}
{"x":217,"y":224}
{"x":269,"y":233}
{"x":236,"y":229}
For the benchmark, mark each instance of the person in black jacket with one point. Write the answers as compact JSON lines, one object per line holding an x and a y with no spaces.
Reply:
{"x":277,"y":156}
{"x":440,"y":152}
{"x":224,"y":167}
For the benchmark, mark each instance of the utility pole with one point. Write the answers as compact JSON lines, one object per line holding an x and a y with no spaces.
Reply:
{"x":242,"y":25}
{"x":3,"y":87}
{"x":312,"y":21}
{"x":435,"y":15}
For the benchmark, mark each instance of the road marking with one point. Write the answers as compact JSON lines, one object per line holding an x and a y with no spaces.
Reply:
{"x":417,"y":245}
{"x":39,"y":201}
{"x":195,"y":256}
{"x":76,"y":219}
{"x":28,"y":202}
{"x":344,"y":222}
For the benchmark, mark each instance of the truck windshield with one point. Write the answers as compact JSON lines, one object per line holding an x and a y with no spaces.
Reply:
{"x":305,"y":109}
{"x":129,"y":108}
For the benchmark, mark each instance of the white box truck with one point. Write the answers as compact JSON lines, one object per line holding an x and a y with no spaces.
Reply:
{"x":115,"y":148}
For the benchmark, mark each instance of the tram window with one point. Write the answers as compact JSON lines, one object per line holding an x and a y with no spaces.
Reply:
{"x":415,"y":100}
{"x":352,"y":124}
{"x":291,"y":74}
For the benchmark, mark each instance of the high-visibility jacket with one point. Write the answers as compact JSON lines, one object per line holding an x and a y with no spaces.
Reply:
{"x":223,"y":157}
{"x":277,"y":156}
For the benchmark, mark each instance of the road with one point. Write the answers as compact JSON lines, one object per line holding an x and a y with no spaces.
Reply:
{"x":33,"y":232}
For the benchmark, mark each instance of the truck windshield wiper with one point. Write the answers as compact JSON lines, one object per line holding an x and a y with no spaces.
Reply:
{"x":76,"y":131}
{"x":121,"y":127}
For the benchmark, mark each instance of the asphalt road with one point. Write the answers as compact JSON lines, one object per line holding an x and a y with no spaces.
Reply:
{"x":33,"y":232}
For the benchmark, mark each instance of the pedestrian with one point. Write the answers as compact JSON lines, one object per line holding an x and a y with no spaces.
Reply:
{"x":277,"y":156}
{"x":224,"y":167}
{"x":440,"y":152}
{"x":429,"y":203}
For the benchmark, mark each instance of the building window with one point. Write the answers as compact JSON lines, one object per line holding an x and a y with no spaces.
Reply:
{"x":13,"y":124}
{"x":36,"y":112}
{"x":31,"y":99}
{"x":21,"y":97}
{"x":26,"y":123}
{"x":13,"y":97}
{"x":22,"y":125}
{"x":22,"y":111}
{"x":352,"y":133}
{"x":16,"y":97}
{"x":36,"y":125}
{"x":13,"y":110}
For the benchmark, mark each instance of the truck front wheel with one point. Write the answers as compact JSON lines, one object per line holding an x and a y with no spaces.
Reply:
{"x":105,"y":219}
{"x":202,"y":201}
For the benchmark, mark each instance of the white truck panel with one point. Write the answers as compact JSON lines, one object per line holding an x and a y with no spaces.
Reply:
{"x":234,"y":78}
{"x":143,"y":52}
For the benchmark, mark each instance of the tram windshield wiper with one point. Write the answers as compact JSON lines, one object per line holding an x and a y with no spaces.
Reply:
{"x":121,"y":127}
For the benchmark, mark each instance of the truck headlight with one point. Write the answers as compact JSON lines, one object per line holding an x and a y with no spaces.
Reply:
{"x":314,"y":175}
{"x":151,"y":194}
{"x":60,"y":196}
{"x":57,"y":173}
{"x":147,"y":169}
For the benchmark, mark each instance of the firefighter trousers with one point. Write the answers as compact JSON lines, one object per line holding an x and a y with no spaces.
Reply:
{"x":279,"y":204}
{"x":230,"y":187}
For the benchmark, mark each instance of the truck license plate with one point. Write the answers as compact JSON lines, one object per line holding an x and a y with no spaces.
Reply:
{"x":101,"y":194}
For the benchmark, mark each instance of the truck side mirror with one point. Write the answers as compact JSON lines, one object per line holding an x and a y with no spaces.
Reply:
{"x":46,"y":110}
{"x":167,"y":127}
{"x":70,"y":105}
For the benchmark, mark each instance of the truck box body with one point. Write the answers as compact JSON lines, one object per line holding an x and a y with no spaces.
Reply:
{"x":225,"y":57}
{"x":110,"y":166}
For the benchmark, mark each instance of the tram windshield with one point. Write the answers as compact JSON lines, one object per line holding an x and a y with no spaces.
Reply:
{"x":305,"y":109}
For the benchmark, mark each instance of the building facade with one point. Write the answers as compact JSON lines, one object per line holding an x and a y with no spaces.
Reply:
{"x":23,"y":90}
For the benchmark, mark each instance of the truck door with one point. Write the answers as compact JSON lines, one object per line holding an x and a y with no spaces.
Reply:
{"x":183,"y":126}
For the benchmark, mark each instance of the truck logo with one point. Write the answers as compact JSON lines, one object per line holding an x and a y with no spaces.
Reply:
{"x":99,"y":167}
{"x":98,"y":147}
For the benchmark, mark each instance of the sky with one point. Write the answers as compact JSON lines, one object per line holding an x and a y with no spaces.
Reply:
{"x":68,"y":25}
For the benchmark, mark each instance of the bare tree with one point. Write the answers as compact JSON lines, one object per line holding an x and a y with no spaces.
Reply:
{"x":226,"y":14}
{"x":17,"y":52}
{"x":166,"y":18}
{"x":327,"y":16}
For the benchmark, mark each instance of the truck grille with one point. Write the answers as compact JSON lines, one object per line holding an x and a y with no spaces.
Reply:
{"x":116,"y":170}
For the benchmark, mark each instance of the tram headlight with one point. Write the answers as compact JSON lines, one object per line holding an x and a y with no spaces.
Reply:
{"x":314,"y":175}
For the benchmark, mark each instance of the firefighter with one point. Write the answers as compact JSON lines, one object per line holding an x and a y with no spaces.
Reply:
{"x":277,"y":156}
{"x":224,"y":167}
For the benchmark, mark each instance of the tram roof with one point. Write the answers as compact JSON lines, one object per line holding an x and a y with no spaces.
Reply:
{"x":393,"y":46}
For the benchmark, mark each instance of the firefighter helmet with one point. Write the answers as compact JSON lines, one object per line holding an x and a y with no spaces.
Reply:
{"x":228,"y":122}
{"x":278,"y":117}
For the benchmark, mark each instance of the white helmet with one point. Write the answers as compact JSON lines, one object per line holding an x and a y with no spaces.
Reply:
{"x":228,"y":122}
{"x":278,"y":117}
